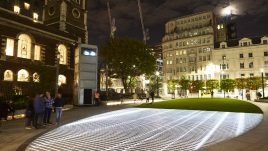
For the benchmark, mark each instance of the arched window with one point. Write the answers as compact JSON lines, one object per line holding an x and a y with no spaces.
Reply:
{"x":61,"y":80}
{"x":36,"y":77}
{"x":62,"y":54}
{"x":23,"y":75}
{"x":24,"y":46}
{"x":8,"y":75}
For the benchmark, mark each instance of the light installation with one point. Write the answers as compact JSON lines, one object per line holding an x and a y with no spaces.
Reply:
{"x":147,"y":129}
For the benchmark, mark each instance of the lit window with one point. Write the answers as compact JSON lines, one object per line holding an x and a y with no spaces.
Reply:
{"x":24,"y":46}
{"x":35,"y":17}
{"x":61,"y":80}
{"x":36,"y":77}
{"x":8,"y":75}
{"x":10,"y":47}
{"x":62,"y":54}
{"x":26,"y":6}
{"x":23,"y":75}
{"x":16,"y":9}
{"x":219,"y":27}
{"x":37,"y":52}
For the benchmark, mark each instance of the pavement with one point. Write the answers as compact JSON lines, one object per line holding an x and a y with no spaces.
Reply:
{"x":254,"y":140}
{"x":14,"y":136}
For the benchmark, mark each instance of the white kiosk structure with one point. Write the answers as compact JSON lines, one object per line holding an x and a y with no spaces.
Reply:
{"x":85,"y":74}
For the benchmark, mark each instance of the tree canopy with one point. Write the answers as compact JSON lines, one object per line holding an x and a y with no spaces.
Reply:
{"x":212,"y":84}
{"x":126,"y":59}
{"x":228,"y":84}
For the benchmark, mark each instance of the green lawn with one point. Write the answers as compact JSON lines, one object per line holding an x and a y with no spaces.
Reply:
{"x":208,"y":104}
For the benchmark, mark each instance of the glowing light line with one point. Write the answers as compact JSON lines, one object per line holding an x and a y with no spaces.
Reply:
{"x":212,"y":131}
{"x":241,"y":124}
{"x":202,"y":122}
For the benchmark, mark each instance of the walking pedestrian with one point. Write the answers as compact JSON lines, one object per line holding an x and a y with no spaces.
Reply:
{"x":29,"y":113}
{"x":58,"y":104}
{"x":39,"y":109}
{"x":48,"y":107}
{"x":97,"y":98}
{"x":152,"y":95}
{"x":147,"y":96}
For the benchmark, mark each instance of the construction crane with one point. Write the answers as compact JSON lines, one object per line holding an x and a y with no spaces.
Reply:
{"x":111,"y":21}
{"x":145,"y":32}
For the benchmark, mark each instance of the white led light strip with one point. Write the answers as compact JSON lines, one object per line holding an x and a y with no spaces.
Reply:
{"x":147,"y":129}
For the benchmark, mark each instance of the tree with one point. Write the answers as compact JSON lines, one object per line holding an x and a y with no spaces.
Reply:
{"x":253,"y":83}
{"x":153,"y":82}
{"x":172,"y":85}
{"x":184,"y":83}
{"x":212,"y":84}
{"x":227,"y":85}
{"x":197,"y":85}
{"x":126,"y":59}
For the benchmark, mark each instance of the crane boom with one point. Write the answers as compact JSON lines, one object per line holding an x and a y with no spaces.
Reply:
{"x":142,"y":23}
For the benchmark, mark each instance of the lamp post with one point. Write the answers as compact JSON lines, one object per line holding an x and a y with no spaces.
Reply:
{"x":262,"y":82}
{"x":57,"y":72}
{"x":157,"y":83}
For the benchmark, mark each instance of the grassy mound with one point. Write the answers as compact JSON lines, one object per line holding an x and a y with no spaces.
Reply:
{"x":207,"y":104}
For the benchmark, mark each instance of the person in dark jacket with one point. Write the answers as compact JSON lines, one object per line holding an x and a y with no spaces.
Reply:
{"x":11,"y":108}
{"x":58,"y":104}
{"x":39,"y":109}
{"x":29,"y":113}
{"x":48,"y":109}
{"x":152,"y":95}
{"x":4,"y":110}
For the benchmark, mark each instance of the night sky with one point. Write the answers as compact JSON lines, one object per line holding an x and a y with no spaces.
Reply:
{"x":252,"y":17}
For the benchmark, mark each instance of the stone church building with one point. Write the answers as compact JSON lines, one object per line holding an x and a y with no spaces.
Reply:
{"x":37,"y":43}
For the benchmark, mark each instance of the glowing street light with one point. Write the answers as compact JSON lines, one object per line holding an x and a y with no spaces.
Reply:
{"x":262,"y":81}
{"x":227,"y":11}
{"x":157,"y":82}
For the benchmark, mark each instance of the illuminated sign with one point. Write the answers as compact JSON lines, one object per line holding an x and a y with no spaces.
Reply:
{"x":89,"y":52}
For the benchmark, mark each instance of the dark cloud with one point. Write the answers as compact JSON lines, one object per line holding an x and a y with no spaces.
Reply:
{"x":252,"y":16}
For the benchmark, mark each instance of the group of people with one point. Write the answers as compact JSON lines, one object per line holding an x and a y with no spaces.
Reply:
{"x":39,"y":109}
{"x":148,"y":95}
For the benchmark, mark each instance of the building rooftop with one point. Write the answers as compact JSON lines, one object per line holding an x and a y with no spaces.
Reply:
{"x":12,"y":18}
{"x":235,"y":42}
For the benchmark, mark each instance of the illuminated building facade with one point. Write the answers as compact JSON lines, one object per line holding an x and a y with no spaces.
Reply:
{"x":37,"y":37}
{"x":187,"y":46}
{"x":241,"y":58}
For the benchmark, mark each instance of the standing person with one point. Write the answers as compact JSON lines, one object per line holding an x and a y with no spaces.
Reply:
{"x":58,"y":104}
{"x":48,"y":107}
{"x":147,"y":96}
{"x":248,"y":95}
{"x":11,"y":108}
{"x":152,"y":95}
{"x":212,"y":94}
{"x":39,"y":109}
{"x":4,"y":110}
{"x":97,"y":98}
{"x":29,"y":113}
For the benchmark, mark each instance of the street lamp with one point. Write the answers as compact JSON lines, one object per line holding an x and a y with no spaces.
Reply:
{"x":157,"y":83}
{"x":262,"y":82}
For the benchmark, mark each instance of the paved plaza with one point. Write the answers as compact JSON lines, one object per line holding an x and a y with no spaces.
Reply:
{"x":147,"y":129}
